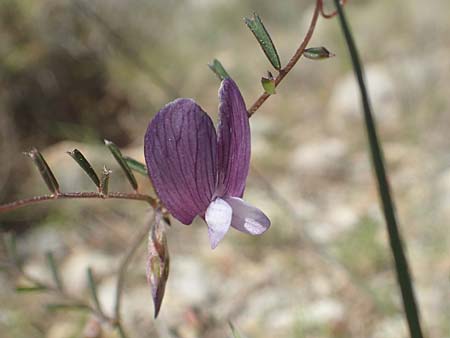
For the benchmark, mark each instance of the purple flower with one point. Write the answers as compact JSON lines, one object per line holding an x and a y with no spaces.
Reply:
{"x":196,"y":172}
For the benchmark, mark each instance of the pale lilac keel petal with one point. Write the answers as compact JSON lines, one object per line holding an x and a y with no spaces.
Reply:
{"x":247,"y":218}
{"x":218,"y":217}
{"x":180,"y":151}
{"x":233,"y":141}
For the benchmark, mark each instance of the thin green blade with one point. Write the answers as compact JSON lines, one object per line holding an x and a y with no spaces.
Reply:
{"x":265,"y":41}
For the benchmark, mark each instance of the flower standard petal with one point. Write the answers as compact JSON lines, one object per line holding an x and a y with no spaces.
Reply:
{"x":247,"y":218}
{"x":218,"y":217}
{"x":180,"y":152}
{"x":233,"y":141}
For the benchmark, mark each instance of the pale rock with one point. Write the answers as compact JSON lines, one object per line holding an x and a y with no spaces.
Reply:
{"x":333,"y":222}
{"x":261,"y":134}
{"x":36,"y":269}
{"x":345,"y":102}
{"x":320,"y":156}
{"x":268,"y":301}
{"x":321,"y":232}
{"x":323,"y":311}
{"x":282,"y":319}
{"x":392,"y":327}
{"x":106,"y":292}
{"x":40,"y":240}
{"x":73,"y":270}
{"x":138,"y":304}
{"x":321,"y":285}
{"x":189,"y":281}
{"x":62,"y":330}
{"x":430,"y":299}
{"x":343,"y":217}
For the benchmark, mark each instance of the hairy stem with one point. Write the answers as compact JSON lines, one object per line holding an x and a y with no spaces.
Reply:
{"x":401,"y":263}
{"x":77,"y":195}
{"x":298,"y":53}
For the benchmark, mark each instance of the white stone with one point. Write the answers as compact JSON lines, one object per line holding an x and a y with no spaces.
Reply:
{"x":189,"y":280}
{"x":392,"y":327}
{"x":345,"y":102}
{"x":322,"y":311}
{"x":73,"y":270}
{"x":320,"y":156}
{"x":62,"y":330}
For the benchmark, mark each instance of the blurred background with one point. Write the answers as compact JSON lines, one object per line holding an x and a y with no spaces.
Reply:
{"x":75,"y":72}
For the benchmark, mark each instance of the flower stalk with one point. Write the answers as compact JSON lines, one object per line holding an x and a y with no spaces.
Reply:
{"x":395,"y":240}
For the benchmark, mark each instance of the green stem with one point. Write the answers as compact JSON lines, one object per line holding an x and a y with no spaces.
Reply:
{"x":395,"y":240}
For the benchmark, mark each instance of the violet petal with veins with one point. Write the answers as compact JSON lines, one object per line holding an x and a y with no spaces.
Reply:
{"x":197,"y":172}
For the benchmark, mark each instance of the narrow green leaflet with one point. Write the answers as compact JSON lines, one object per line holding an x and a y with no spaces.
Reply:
{"x":235,"y":331}
{"x":93,"y":289}
{"x":257,"y":27}
{"x":218,"y":69}
{"x":123,"y":164}
{"x":64,"y":307}
{"x":54,"y":270}
{"x":37,"y":288}
{"x":44,"y":170}
{"x":317,"y":53}
{"x":85,"y":165}
{"x":137,"y":166}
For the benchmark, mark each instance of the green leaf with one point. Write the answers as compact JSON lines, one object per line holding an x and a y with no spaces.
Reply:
{"x":123,"y":164}
{"x":137,"y":166}
{"x":264,"y":39}
{"x":62,"y":306}
{"x":93,"y":288}
{"x":36,"y":288}
{"x":317,"y":53}
{"x":104,"y":182}
{"x":85,"y":165}
{"x":54,"y":270}
{"x":218,"y":69}
{"x":44,"y":170}
{"x":235,"y":331}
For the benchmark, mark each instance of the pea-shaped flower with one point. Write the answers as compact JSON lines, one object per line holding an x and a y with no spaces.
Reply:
{"x":197,"y":172}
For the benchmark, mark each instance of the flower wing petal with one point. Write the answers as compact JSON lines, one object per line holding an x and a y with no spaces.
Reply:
{"x":180,"y":152}
{"x":233,"y":141}
{"x":247,"y":218}
{"x":218,"y":217}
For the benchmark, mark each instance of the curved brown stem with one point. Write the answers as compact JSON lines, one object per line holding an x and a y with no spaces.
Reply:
{"x":332,"y":14}
{"x":298,"y":53}
{"x":78,"y":195}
